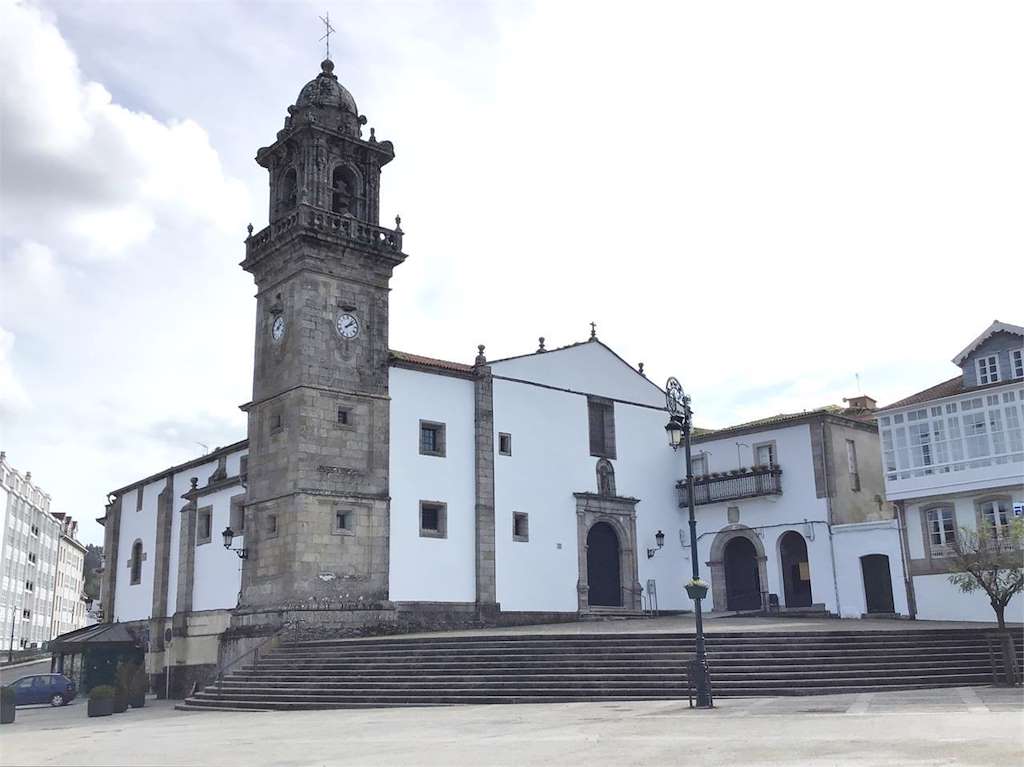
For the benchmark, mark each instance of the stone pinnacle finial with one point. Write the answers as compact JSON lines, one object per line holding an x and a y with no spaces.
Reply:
{"x":373,"y":135}
{"x":480,"y":358}
{"x":195,"y":482}
{"x":540,"y":346}
{"x":593,"y":331}
{"x":249,"y":228}
{"x":641,"y":370}
{"x":398,"y":224}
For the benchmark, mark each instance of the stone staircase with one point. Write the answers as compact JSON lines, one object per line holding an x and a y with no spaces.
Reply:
{"x":552,"y":668}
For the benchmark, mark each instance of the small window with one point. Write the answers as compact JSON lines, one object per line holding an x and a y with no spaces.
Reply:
{"x":26,"y":615}
{"x":31,"y":559}
{"x":276,"y":422}
{"x":29,"y":586}
{"x":344,"y":416}
{"x":601,"y":424}
{"x":988,"y":369}
{"x":271,"y":525}
{"x":504,"y":443}
{"x":432,"y":438}
{"x":996,"y":515}
{"x":433,"y":520}
{"x":343,"y":522}
{"x":520,"y":527}
{"x":35,"y":531}
{"x":699,"y":465}
{"x":204,"y":526}
{"x":1017,"y":362}
{"x":851,"y":464}
{"x":237,"y":518}
{"x":135,"y":563}
{"x":764,"y":454}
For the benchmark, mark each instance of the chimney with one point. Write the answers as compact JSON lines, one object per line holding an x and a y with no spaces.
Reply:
{"x":860,"y":402}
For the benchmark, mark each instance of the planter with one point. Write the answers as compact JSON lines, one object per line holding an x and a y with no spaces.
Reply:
{"x":138,"y":700}
{"x":101,"y":706}
{"x":120,"y":703}
{"x":696,"y":591}
{"x":7,"y":711}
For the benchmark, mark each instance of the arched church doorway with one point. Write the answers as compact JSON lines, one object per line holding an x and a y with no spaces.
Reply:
{"x":877,"y":583}
{"x":742,"y":580}
{"x":603,"y":575}
{"x":796,"y":570}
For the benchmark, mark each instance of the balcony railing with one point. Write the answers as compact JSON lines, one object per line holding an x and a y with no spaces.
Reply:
{"x":346,"y":227}
{"x":743,"y":483}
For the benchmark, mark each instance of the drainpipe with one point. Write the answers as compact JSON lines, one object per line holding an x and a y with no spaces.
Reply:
{"x":828,"y":506}
{"x":908,"y":580}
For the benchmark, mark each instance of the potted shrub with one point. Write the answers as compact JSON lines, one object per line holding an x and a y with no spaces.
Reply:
{"x":7,"y":709}
{"x":138,"y":685}
{"x":696,"y":588}
{"x":101,"y":700}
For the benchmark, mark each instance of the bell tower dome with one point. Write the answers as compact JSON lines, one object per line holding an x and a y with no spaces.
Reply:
{"x":316,"y":522}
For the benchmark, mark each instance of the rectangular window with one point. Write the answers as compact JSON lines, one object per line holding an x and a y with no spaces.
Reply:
{"x":343,"y":522}
{"x":941,"y":530}
{"x":344,"y":416}
{"x":1017,"y":363}
{"x":996,"y":514}
{"x":204,"y":525}
{"x":504,"y":443}
{"x":699,"y":465}
{"x":271,"y":525}
{"x":26,"y":615}
{"x":764,"y":454}
{"x":29,"y":586}
{"x":988,"y":369}
{"x":432,"y":438}
{"x":520,"y":527}
{"x":35,"y":531}
{"x":851,"y":465}
{"x":276,"y":422}
{"x":238,"y":514}
{"x":243,"y":465}
{"x":601,"y":421}
{"x":433,"y":519}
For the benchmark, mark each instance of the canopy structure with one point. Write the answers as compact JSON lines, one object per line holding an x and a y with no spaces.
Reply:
{"x":102,"y":636}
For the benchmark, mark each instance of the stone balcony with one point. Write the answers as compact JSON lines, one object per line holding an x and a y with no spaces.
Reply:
{"x":730,"y":486}
{"x":343,"y":227}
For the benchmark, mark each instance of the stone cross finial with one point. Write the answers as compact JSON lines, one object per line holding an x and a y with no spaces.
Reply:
{"x":326,"y":19}
{"x":480,"y":358}
{"x":540,"y":347}
{"x":593,"y":331}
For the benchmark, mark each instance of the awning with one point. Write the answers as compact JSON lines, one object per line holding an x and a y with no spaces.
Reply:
{"x":106,"y":636}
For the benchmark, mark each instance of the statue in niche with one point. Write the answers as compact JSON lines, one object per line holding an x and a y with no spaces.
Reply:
{"x":605,"y":477}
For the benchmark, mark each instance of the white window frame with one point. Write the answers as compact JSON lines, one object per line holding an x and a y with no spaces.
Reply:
{"x":935,"y":519}
{"x":699,"y":464}
{"x":988,"y":369}
{"x":1017,"y":363}
{"x":991,"y":508}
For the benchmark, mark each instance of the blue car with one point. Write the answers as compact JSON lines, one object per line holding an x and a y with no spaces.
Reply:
{"x":55,"y":689}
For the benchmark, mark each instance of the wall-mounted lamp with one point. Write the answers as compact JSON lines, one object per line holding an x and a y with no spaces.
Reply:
{"x":659,"y":538}
{"x":229,"y":537}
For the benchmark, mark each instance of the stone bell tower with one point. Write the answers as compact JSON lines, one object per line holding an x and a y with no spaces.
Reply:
{"x":316,"y":519}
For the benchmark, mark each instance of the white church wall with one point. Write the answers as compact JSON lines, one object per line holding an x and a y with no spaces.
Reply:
{"x":586,"y":367}
{"x":550,"y":460}
{"x":135,"y":601}
{"x":421,"y":568}
{"x":218,"y":572}
{"x":855,"y":541}
{"x":182,"y":484}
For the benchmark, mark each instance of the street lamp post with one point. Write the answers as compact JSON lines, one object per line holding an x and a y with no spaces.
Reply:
{"x":678,"y":430}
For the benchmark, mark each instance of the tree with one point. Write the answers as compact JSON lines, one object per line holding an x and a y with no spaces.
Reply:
{"x":992,"y":561}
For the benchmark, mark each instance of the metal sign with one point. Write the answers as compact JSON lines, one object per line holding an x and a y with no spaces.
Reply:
{"x":675,"y":398}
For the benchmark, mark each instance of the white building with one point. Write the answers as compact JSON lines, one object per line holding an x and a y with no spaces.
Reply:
{"x":954,"y":458}
{"x":68,"y":601}
{"x":31,"y":541}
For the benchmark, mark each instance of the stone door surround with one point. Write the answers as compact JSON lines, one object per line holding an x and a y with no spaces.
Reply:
{"x":719,"y":593}
{"x":620,"y":514}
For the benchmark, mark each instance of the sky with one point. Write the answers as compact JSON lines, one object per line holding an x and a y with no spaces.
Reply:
{"x":769,"y":201}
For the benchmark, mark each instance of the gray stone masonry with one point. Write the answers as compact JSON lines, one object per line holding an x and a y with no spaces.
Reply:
{"x":484,"y":470}
{"x":162,"y":559}
{"x":111,"y":555}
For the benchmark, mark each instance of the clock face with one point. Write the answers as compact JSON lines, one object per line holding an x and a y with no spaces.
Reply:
{"x":348,"y":326}
{"x":277,"y":329}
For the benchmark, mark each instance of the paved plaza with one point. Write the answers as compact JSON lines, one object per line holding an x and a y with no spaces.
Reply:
{"x":970,"y":726}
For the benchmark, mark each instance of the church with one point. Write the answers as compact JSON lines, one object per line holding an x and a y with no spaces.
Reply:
{"x":380,"y":490}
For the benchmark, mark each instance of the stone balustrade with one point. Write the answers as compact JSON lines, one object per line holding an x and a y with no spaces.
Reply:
{"x":344,"y":227}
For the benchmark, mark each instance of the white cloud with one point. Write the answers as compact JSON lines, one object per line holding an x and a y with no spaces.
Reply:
{"x":99,"y":175}
{"x":13,"y":397}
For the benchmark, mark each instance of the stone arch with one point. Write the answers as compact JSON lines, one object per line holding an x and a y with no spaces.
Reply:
{"x":135,"y":563}
{"x":791,"y":548}
{"x":346,"y":189}
{"x":289,"y":188}
{"x":605,"y":477}
{"x":716,"y":562}
{"x":620,"y":515}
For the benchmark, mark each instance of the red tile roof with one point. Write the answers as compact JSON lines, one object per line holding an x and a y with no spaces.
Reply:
{"x":416,"y":360}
